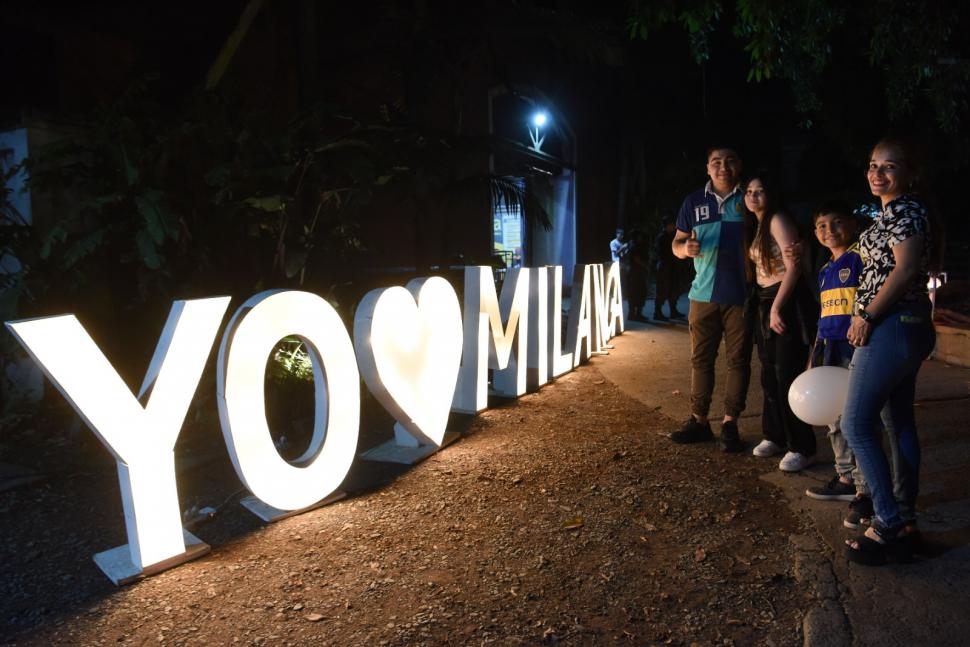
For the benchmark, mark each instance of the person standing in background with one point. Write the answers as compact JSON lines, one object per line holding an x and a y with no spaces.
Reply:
{"x":668,"y":273}
{"x":620,"y":253}
{"x":639,"y":256}
{"x":619,"y":247}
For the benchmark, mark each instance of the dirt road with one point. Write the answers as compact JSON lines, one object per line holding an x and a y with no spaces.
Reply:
{"x":565,"y":517}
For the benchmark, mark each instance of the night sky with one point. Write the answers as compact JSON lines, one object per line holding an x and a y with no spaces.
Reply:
{"x":652,"y":97}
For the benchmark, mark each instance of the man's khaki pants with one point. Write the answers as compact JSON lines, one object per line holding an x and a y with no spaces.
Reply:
{"x":709,"y":322}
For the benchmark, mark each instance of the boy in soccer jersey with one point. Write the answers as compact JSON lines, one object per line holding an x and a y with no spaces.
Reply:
{"x":837,"y":281}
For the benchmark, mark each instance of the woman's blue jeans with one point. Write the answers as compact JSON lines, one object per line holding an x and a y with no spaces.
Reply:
{"x":883,"y":372}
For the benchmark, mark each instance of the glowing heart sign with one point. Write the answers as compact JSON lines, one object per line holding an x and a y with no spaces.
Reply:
{"x":408,"y":344}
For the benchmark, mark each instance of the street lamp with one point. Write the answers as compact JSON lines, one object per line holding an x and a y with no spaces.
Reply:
{"x":539,"y":120}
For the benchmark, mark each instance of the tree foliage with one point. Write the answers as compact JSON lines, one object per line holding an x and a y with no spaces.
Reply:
{"x":917,"y":49}
{"x":206,"y":195}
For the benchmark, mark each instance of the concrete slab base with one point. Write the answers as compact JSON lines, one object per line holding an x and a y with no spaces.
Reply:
{"x":391,"y":452}
{"x":269,"y":514}
{"x":117,"y":565}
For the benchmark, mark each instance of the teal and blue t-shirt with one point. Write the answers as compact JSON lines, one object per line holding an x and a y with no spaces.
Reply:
{"x":720,"y":229}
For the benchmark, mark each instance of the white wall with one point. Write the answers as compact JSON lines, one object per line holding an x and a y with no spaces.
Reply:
{"x":13,"y":150}
{"x":558,"y":245}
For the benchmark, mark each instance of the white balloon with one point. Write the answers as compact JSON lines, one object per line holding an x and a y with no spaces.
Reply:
{"x":818,"y":395}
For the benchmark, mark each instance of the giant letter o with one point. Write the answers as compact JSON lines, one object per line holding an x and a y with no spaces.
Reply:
{"x":246,"y":345}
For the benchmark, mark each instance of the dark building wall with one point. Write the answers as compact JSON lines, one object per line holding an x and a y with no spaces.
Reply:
{"x":415,"y":78}
{"x":426,"y":66}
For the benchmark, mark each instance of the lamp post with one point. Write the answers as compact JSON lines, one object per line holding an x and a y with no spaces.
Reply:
{"x":539,"y":120}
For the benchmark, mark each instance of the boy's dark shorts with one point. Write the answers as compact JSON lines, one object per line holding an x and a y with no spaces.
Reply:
{"x":832,"y":352}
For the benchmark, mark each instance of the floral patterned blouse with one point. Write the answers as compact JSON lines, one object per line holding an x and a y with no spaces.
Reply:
{"x":899,"y":220}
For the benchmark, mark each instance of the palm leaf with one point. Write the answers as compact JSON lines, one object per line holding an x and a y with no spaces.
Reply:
{"x":516,"y":197}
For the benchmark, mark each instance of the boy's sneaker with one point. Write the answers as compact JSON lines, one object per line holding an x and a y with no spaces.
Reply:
{"x":730,"y":438}
{"x":766,"y":448}
{"x":795,"y":462}
{"x":860,"y":512}
{"x":693,"y":432}
{"x":834,"y":490}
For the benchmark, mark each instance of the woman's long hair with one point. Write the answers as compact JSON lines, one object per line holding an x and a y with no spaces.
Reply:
{"x":913,"y":163}
{"x":759,"y":236}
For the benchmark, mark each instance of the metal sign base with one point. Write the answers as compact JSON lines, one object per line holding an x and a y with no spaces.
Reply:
{"x":391,"y":452}
{"x":269,"y":514}
{"x":117,"y":565}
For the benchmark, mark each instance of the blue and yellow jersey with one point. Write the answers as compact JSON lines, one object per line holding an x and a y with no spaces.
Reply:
{"x":837,"y":284}
{"x":720,"y":230}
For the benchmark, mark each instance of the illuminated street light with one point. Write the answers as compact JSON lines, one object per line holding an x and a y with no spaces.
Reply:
{"x":539,"y":120}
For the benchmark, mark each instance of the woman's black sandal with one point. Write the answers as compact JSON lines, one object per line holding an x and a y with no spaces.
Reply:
{"x":911,"y":533}
{"x":894,"y":547}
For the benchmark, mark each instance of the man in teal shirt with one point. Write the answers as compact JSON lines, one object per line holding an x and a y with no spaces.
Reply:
{"x":710,"y":230}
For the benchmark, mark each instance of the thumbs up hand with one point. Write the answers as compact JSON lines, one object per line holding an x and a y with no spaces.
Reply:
{"x":693,"y":246}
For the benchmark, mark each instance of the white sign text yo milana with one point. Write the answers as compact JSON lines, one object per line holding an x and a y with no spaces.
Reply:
{"x":418,"y":351}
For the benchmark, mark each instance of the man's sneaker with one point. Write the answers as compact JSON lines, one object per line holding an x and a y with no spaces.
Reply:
{"x":659,"y":316}
{"x":693,"y":432}
{"x":730,"y":439}
{"x":676,"y":314}
{"x":795,"y":462}
{"x":766,"y":448}
{"x":834,"y":490}
{"x":860,"y":512}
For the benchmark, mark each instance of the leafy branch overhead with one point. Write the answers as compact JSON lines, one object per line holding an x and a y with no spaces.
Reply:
{"x":208,"y":192}
{"x":174,"y":194}
{"x":914,"y":47}
{"x":13,"y":227}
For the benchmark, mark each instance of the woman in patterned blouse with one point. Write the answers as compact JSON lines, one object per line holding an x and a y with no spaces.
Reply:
{"x":893,"y":333}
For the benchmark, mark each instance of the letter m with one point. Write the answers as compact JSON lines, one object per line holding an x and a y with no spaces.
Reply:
{"x":495,"y":336}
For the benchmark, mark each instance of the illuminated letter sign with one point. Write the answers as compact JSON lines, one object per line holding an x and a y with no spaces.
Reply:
{"x":417,"y":351}
{"x":607,"y":305}
{"x":600,"y":320}
{"x":408,"y":345}
{"x":246,"y":345}
{"x":613,"y":300}
{"x":484,"y":311}
{"x":559,"y":362}
{"x":141,"y":438}
{"x":579,"y":326}
{"x":538,"y":363}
